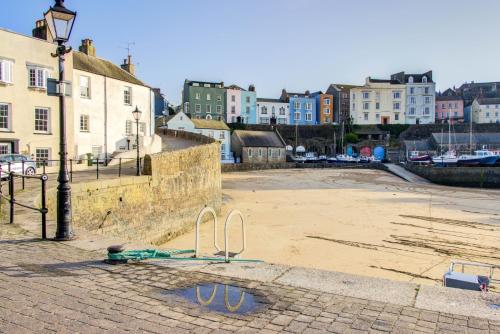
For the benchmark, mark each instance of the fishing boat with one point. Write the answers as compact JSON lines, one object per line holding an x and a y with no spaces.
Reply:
{"x":415,"y":156}
{"x":344,"y":158}
{"x":479,"y":158}
{"x":447,"y":159}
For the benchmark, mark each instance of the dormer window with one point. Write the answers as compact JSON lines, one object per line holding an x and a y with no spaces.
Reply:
{"x":424,"y":79}
{"x":410,"y":80}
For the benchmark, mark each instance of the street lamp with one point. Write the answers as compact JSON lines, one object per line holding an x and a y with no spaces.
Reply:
{"x":137,"y":116}
{"x":60,"y":21}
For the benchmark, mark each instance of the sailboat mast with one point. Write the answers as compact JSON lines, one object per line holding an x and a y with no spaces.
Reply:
{"x":342,"y":137}
{"x":449,"y":134}
{"x":470,"y":131}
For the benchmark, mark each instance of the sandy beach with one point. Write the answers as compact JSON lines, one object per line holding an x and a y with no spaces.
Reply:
{"x":364,"y":222}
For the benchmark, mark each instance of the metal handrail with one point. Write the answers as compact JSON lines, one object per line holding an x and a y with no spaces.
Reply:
{"x":491,"y":268}
{"x":202,"y":213}
{"x":226,"y":233}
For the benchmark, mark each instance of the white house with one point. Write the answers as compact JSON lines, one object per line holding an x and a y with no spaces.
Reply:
{"x":486,"y":110}
{"x":268,"y":109}
{"x":104,"y":96}
{"x":210,"y":128}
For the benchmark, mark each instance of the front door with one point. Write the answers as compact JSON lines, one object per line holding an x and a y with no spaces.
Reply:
{"x":385,"y":120}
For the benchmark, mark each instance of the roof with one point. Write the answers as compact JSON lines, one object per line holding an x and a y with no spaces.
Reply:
{"x":99,"y":66}
{"x":418,"y":145}
{"x":209,"y":124}
{"x":448,"y":98}
{"x":259,"y":138}
{"x":262,"y":99}
{"x":485,"y":101}
{"x":484,"y":138}
{"x":236,"y":87}
{"x":342,"y":87}
{"x":402,"y":77}
{"x":392,"y":82}
{"x":212,"y":84}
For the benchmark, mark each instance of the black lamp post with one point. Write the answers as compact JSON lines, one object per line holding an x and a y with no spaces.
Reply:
{"x":60,"y":21}
{"x":137,"y":116}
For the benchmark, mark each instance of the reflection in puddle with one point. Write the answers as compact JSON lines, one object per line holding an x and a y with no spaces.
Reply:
{"x":220,"y":298}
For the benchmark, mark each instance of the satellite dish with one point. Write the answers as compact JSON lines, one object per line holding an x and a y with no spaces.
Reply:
{"x":300,"y":149}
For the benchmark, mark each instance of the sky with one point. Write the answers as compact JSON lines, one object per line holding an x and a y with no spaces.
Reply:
{"x":274,"y":44}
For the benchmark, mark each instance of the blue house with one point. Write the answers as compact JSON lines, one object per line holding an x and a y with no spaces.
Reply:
{"x":302,"y":107}
{"x":249,"y":105}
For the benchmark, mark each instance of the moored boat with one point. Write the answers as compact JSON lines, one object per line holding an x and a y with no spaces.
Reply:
{"x":448,"y":159}
{"x":479,"y":158}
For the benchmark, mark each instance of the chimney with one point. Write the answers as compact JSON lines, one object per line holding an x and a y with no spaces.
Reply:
{"x":251,"y":88}
{"x":87,"y":47}
{"x":42,"y":31}
{"x":128,"y":66}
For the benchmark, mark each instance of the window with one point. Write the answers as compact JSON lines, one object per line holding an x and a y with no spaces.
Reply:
{"x":248,"y":99}
{"x":264,"y":120}
{"x":260,"y":152}
{"x":296,"y":116}
{"x":211,"y":133}
{"x":84,"y":86}
{"x":197,"y":96}
{"x":443,"y":106}
{"x":377,"y":105}
{"x":84,"y":123}
{"x":424,"y":79}
{"x":354,"y":107}
{"x":456,"y":105}
{"x":248,"y":109}
{"x":326,"y":111}
{"x":128,"y":127}
{"x":222,"y":135}
{"x":250,"y":152}
{"x":326,"y":102}
{"x":308,"y":106}
{"x":4,"y":148}
{"x":366,"y":116}
{"x":488,"y":114}
{"x":455,"y":114}
{"x":41,"y":120}
{"x":396,"y":106}
{"x":296,"y":104}
{"x":38,"y":77}
{"x":412,"y":90}
{"x":219,"y":109}
{"x":427,"y":100}
{"x":263,"y":110}
{"x":233,"y":109}
{"x":309,"y":116}
{"x":396,"y":95}
{"x":209,"y":97}
{"x":377,"y":116}
{"x":413,"y":100}
{"x":282,"y":111}
{"x":366,"y":95}
{"x":4,"y":116}
{"x":233,"y":98}
{"x":396,"y":116}
{"x":197,"y":108}
{"x":42,"y":154}
{"x":208,"y":109}
{"x":412,"y":111}
{"x":427,"y":111}
{"x":366,"y":105}
{"x":219,"y":98}
{"x":426,"y":90}
{"x":410,"y":79}
{"x":6,"y":70}
{"x":127,"y":95}
{"x":353,"y":96}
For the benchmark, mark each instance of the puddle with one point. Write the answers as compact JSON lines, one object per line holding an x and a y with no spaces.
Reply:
{"x":220,"y":298}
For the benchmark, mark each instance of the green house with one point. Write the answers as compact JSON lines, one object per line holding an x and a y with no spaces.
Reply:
{"x":204,"y":100}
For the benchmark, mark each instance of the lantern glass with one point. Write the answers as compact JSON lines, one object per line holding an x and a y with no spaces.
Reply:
{"x":60,"y":22}
{"x":137,"y":114}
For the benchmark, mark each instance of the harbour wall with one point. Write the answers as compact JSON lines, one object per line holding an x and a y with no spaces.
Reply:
{"x":153,"y":208}
{"x":476,"y":177}
{"x":228,"y":168}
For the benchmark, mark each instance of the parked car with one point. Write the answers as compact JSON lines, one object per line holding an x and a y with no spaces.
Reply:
{"x":16,"y":164}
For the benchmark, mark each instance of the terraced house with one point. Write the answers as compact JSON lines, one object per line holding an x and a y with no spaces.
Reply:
{"x":302,"y":107}
{"x":241,"y":104}
{"x":272,"y":111}
{"x":324,"y":106}
{"x":204,"y":100}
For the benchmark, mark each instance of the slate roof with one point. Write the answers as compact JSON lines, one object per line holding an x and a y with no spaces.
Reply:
{"x":212,"y":84}
{"x":485,"y":101}
{"x":259,"y":138}
{"x":402,"y":77}
{"x":99,"y":66}
{"x":235,"y":87}
{"x":262,"y":99}
{"x":392,"y":82}
{"x":209,"y":124}
{"x":448,"y":98}
{"x":418,"y":145}
{"x":486,"y":138}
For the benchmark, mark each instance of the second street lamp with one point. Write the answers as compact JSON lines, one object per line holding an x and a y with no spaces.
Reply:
{"x":60,"y":21}
{"x":137,"y":116}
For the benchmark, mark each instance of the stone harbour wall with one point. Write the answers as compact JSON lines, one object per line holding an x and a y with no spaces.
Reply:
{"x":151,"y":208}
{"x":477,"y":177}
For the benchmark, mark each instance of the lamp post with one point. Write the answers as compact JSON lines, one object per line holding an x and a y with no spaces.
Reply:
{"x":137,"y":116}
{"x":60,"y":21}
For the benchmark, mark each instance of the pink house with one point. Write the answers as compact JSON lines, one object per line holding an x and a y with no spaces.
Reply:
{"x":449,"y":106}
{"x":233,"y":98}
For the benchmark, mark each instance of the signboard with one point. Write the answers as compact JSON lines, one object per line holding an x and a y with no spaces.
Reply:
{"x":55,"y":88}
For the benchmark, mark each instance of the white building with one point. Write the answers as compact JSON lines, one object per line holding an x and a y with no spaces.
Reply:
{"x":378,"y":102}
{"x":268,"y":109}
{"x":420,"y":97}
{"x":210,"y":128}
{"x":104,"y":96}
{"x":486,"y":110}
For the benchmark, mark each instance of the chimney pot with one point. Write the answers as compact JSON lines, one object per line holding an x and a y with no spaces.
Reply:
{"x":87,"y":47}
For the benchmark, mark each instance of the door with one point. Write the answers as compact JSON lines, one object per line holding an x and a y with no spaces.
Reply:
{"x":385,"y":120}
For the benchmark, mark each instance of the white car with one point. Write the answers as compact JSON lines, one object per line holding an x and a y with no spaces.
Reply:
{"x":16,"y":164}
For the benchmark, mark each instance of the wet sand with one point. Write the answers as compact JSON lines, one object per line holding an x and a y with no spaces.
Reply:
{"x":357,"y":221}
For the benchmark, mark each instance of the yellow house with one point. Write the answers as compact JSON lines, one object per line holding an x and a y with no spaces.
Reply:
{"x":29,"y":118}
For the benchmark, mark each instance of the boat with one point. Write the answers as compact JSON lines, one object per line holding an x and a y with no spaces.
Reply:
{"x":344,"y":158}
{"x":415,"y":156}
{"x":310,"y":157}
{"x":322,"y":158}
{"x":447,"y":159}
{"x":299,"y":159}
{"x":365,"y":159}
{"x":479,"y":158}
{"x":331,"y":160}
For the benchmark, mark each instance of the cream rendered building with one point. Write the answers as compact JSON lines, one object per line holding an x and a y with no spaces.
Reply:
{"x":378,"y":102}
{"x":486,"y":110}
{"x":29,"y":118}
{"x":104,"y":97}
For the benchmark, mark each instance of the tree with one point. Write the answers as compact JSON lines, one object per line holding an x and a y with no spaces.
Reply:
{"x":351,"y":138}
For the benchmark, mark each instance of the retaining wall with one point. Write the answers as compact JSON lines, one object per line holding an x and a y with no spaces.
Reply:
{"x":478,"y":177}
{"x":227,"y":168}
{"x":153,"y":208}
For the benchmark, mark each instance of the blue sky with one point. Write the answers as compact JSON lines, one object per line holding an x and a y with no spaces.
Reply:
{"x":292,"y":44}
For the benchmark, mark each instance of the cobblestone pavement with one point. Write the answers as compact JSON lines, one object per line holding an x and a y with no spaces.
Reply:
{"x":52,"y":287}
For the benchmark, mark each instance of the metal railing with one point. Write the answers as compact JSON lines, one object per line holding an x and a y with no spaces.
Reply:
{"x":13,"y":202}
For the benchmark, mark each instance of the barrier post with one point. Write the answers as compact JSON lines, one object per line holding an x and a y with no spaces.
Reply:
{"x":97,"y":168}
{"x":71,"y":170}
{"x":120,"y":168}
{"x":22,"y":173}
{"x":12,"y":199}
{"x":44,"y":209}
